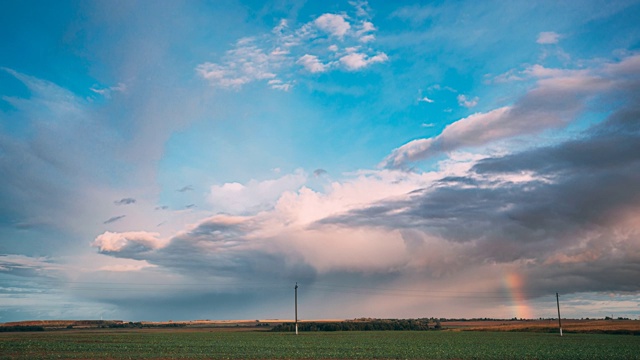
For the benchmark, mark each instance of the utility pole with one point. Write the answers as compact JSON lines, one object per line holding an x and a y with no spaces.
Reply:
{"x":559,"y":319}
{"x":296,"y":291}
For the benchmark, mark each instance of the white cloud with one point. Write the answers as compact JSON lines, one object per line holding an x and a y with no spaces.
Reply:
{"x":367,"y":38}
{"x":272,"y":56}
{"x":282,"y":25}
{"x":333,"y":24}
{"x":364,"y":32}
{"x":356,"y":61}
{"x":548,"y":37}
{"x":245,"y":63}
{"x":467,"y":102}
{"x":362,"y":8}
{"x":255,"y":195}
{"x":425,"y":99}
{"x":106,"y":92}
{"x":366,"y":26}
{"x":312,"y":64}
{"x":280,"y":85}
{"x":508,"y":76}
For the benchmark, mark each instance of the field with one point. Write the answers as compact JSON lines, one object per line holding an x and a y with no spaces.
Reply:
{"x":228,"y":344}
{"x":549,"y":325}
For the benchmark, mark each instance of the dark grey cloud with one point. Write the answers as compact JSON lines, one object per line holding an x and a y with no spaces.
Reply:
{"x":218,"y":246}
{"x":185,"y":189}
{"x":114,"y":219}
{"x":125,"y":201}
{"x":24,"y":266}
{"x":163,"y":207}
{"x":573,"y":221}
{"x":223,"y":248}
{"x":319,"y":172}
{"x":190,"y":206}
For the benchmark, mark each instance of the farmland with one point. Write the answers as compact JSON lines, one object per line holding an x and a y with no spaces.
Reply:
{"x":186,"y":343}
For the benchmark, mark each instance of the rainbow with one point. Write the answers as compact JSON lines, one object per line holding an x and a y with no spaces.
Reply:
{"x":514,"y":284}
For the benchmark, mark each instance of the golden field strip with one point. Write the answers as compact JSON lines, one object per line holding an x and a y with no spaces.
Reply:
{"x":568,"y":325}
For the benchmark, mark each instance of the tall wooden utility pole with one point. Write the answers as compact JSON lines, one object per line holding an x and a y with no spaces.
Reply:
{"x":296,"y":291}
{"x":559,"y":319}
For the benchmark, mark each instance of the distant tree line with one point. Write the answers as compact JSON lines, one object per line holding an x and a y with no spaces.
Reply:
{"x":141,"y":325}
{"x":372,"y":325}
{"x":21,"y":328}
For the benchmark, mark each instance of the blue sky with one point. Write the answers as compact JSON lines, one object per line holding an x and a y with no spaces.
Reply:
{"x":182,"y":160}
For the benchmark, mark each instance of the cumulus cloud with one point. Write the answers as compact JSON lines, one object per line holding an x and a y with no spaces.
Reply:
{"x":324,"y":44}
{"x":278,"y":243}
{"x":125,"y":201}
{"x":463,"y":100}
{"x":548,"y":37}
{"x":560,"y":95}
{"x":356,"y":61}
{"x":365,"y":32}
{"x":334,"y":24}
{"x":247,"y":62}
{"x":425,"y":99}
{"x":254,"y":195}
{"x":312,"y":64}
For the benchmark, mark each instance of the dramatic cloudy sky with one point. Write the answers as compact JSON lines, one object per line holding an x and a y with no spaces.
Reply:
{"x":193,"y":160}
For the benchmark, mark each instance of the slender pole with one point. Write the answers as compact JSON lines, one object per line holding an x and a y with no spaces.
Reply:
{"x":559,"y":319}
{"x":296,"y":290}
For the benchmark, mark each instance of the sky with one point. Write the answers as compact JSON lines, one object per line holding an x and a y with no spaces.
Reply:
{"x":177,"y":160}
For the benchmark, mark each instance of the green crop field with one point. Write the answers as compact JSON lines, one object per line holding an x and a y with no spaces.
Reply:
{"x":207,"y":344}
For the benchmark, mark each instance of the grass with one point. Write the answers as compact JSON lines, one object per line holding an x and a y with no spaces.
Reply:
{"x":207,"y":344}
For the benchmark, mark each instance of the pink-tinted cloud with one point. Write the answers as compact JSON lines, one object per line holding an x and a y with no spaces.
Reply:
{"x":560,"y":95}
